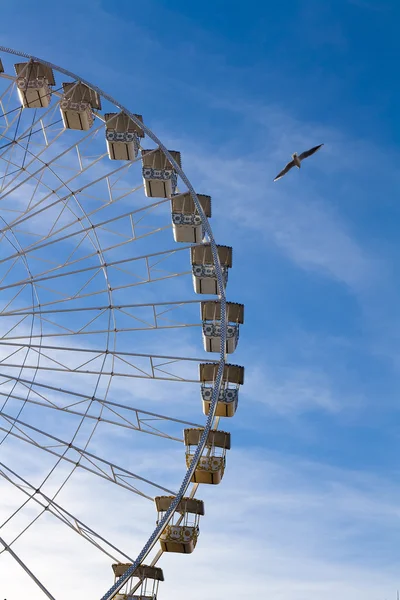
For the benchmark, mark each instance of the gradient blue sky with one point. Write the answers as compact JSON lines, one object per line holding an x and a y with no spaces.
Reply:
{"x":237,"y":87}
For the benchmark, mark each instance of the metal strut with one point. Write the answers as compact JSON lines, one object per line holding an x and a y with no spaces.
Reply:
{"x":221,"y":292}
{"x":23,"y":565}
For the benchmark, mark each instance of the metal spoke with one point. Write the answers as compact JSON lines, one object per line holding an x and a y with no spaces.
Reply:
{"x":61,"y":513}
{"x":40,"y":245}
{"x":86,"y":270}
{"x":141,"y":416}
{"x":98,"y":466}
{"x":72,"y":193}
{"x":51,"y":274}
{"x":151,"y":369}
{"x":28,"y":571}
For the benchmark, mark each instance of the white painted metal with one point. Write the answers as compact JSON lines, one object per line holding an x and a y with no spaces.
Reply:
{"x":78,"y":236}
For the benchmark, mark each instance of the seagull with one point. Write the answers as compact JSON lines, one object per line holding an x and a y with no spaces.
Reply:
{"x":297,"y":161}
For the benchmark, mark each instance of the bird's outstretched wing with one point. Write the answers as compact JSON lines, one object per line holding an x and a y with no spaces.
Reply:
{"x":285,"y":170}
{"x":310,"y":152}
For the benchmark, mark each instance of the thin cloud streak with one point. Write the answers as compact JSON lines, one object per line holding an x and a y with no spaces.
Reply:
{"x":293,"y":527}
{"x":306,"y":230}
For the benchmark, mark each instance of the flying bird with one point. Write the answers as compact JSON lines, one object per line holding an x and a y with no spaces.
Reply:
{"x":297,"y":161}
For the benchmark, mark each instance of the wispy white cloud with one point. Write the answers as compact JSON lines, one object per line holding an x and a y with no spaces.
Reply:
{"x":314,"y":238}
{"x":302,"y":224}
{"x":292,"y":528}
{"x":291,"y":390}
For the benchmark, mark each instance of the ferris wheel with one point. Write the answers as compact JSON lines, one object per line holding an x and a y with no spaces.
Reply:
{"x":115,"y":331}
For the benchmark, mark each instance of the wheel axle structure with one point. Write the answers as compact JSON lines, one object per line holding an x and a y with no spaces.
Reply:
{"x":108,"y":269}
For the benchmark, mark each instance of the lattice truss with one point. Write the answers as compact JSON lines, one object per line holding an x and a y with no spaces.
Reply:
{"x":85,"y":258}
{"x":100,"y":317}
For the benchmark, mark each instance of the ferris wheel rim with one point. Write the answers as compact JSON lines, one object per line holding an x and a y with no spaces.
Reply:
{"x":222,"y":299}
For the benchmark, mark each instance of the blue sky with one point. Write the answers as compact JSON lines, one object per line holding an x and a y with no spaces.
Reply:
{"x":237,"y":88}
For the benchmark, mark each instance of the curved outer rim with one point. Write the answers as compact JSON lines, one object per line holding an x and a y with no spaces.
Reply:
{"x":221,"y":293}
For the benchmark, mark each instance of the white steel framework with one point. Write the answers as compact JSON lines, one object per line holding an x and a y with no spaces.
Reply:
{"x":94,"y":297}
